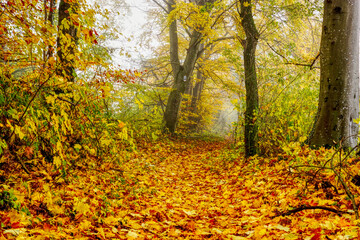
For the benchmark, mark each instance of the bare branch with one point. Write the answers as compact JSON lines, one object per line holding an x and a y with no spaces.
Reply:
{"x":161,"y":6}
{"x":277,"y":53}
{"x":218,"y":17}
{"x":311,"y":65}
{"x":316,"y":58}
{"x":212,"y":43}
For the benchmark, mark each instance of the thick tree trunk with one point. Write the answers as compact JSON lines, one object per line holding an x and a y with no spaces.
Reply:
{"x":252,"y":97}
{"x":339,"y":77}
{"x":67,"y":39}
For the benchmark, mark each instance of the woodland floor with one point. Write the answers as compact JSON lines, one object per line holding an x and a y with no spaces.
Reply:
{"x":174,"y":189}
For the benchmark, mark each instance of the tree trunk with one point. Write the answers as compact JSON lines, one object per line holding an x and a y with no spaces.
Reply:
{"x":252,"y":98}
{"x":50,"y":18}
{"x":67,"y":39}
{"x":49,"y":10}
{"x":195,"y":96}
{"x":338,"y":105}
{"x":195,"y":118}
{"x":181,"y":73}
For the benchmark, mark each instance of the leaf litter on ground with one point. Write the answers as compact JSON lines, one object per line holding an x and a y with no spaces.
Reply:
{"x":176,"y":189}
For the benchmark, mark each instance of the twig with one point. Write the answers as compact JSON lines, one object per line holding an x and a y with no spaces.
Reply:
{"x":312,"y":64}
{"x":346,"y":188}
{"x":161,"y":6}
{"x":304,"y":207}
{"x":22,"y":165}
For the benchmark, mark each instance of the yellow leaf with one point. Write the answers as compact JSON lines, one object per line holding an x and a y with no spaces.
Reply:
{"x":56,"y":209}
{"x":216,"y":230}
{"x":134,"y":225}
{"x":19,"y":132}
{"x":8,"y":124}
{"x":111,"y":220}
{"x":132,"y":235}
{"x":191,"y":213}
{"x":77,"y":147}
{"x":81,"y":207}
{"x":260,"y":232}
{"x":105,"y":142}
{"x":280,"y":227}
{"x":233,"y":237}
{"x":57,"y":161}
{"x":101,"y":231}
{"x":154,"y":225}
{"x":92,"y":151}
{"x":59,"y":146}
{"x":174,"y":232}
{"x":328,"y":225}
{"x":246,"y":4}
{"x":290,"y":236}
{"x":85,"y":225}
{"x":50,"y":99}
{"x":227,"y":194}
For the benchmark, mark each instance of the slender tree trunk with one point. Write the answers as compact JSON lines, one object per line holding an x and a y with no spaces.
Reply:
{"x":67,"y":39}
{"x":196,"y":93}
{"x":252,"y":97}
{"x":338,"y":106}
{"x":195,"y":98}
{"x":50,"y":17}
{"x":49,"y":10}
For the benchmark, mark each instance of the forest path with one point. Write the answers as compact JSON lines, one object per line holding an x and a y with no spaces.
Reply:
{"x":200,"y":189}
{"x":171,"y":189}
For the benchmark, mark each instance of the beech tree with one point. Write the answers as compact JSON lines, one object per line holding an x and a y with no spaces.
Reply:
{"x":181,"y":70}
{"x":252,"y":96}
{"x":338,"y":106}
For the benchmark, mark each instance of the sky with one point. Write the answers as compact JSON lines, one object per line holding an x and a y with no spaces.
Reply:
{"x":133,"y":25}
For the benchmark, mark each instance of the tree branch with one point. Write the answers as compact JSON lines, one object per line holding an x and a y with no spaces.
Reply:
{"x":316,"y":58}
{"x":210,"y":44}
{"x":311,"y":65}
{"x":161,"y":6}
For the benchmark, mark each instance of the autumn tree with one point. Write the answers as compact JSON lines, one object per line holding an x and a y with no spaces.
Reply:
{"x":252,"y":97}
{"x":200,"y":103}
{"x":286,"y":65}
{"x":181,"y":70}
{"x":338,"y":106}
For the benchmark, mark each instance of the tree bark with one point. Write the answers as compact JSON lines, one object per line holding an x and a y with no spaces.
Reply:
{"x":49,"y":10}
{"x":196,"y":92}
{"x":67,"y":39}
{"x":195,"y":117}
{"x":181,"y":72}
{"x":338,"y":105}
{"x":252,"y":96}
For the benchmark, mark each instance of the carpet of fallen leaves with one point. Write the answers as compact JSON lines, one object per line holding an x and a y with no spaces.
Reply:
{"x":174,"y":189}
